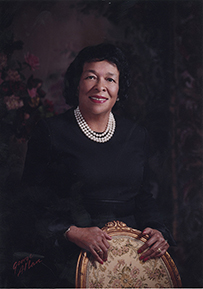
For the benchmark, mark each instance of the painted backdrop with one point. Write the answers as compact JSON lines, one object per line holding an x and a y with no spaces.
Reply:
{"x":163,"y":41}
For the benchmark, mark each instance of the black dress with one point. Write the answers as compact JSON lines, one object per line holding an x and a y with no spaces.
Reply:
{"x":70,"y":179}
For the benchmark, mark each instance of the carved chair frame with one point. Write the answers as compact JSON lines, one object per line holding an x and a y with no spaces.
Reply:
{"x":117,"y":228}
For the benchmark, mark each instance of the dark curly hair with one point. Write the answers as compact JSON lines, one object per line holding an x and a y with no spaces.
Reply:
{"x":104,"y":51}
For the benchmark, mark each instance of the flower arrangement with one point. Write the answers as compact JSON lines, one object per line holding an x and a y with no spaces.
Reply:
{"x":22,"y":101}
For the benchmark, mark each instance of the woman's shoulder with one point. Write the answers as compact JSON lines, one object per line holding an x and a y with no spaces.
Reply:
{"x":57,"y":123}
{"x":64,"y":117}
{"x":59,"y":120}
{"x":130,"y":126}
{"x":132,"y":133}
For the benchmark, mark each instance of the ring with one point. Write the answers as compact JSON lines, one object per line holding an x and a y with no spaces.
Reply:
{"x":159,"y":250}
{"x":99,"y":251}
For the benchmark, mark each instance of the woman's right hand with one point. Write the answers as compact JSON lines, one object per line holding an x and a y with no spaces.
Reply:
{"x":92,"y":239}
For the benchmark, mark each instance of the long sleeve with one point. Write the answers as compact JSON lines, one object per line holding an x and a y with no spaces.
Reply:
{"x":46,"y":216}
{"x":147,"y":212}
{"x":70,"y":179}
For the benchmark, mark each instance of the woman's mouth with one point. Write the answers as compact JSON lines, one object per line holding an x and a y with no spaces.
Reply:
{"x":98,"y":99}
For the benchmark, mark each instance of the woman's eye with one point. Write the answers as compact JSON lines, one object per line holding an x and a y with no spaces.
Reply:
{"x":110,"y":79}
{"x":90,"y":77}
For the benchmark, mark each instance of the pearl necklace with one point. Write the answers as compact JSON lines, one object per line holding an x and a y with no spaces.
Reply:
{"x":95,"y":136}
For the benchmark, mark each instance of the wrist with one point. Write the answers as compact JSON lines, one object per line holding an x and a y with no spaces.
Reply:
{"x":66,"y":234}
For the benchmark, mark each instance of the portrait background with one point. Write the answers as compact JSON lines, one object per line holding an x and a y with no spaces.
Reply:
{"x":163,"y":41}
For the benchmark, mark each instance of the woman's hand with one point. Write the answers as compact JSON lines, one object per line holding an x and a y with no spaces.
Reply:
{"x":155,"y":246}
{"x":92,"y":239}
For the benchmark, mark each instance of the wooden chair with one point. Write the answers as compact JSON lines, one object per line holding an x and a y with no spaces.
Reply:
{"x":123,"y":269}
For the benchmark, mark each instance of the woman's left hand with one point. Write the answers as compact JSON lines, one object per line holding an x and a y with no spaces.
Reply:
{"x":155,"y":247}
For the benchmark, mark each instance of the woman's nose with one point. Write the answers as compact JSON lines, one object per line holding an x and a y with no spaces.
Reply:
{"x":100,"y":86}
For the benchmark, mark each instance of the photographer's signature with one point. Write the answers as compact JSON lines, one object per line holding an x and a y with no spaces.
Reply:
{"x":24,"y":264}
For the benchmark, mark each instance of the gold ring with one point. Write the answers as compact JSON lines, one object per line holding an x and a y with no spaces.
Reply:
{"x":159,"y":250}
{"x":99,"y":251}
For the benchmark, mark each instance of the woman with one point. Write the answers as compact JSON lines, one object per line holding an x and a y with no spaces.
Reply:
{"x":87,"y":167}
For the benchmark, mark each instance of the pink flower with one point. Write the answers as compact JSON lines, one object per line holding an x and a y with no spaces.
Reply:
{"x":13,"y":75}
{"x":49,"y":106}
{"x":134,"y":272}
{"x":138,"y":284}
{"x":13,"y":102}
{"x":32,"y":60}
{"x":117,"y":284}
{"x":32,"y":92}
{"x":26,"y":116}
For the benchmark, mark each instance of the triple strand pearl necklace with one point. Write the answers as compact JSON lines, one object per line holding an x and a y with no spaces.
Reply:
{"x":95,"y":136}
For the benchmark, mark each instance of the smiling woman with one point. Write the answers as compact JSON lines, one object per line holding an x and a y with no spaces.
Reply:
{"x":98,"y":92}
{"x":103,"y":52}
{"x":85,"y":168}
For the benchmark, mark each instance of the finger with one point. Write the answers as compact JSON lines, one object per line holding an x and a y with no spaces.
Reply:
{"x":107,"y":236}
{"x":158,"y":253}
{"x":162,"y":250}
{"x":105,"y":251}
{"x":147,"y":231}
{"x":100,"y":253}
{"x":147,"y":254}
{"x":155,"y":251}
{"x":143,"y":248}
{"x":105,"y":246}
{"x":106,"y":243}
{"x":156,"y":237}
{"x":146,"y":245}
{"x":96,"y":254}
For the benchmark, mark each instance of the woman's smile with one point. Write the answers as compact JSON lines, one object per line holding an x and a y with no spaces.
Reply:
{"x":98,"y":88}
{"x":98,"y":99}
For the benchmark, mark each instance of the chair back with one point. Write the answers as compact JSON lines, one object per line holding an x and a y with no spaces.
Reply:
{"x":123,"y":269}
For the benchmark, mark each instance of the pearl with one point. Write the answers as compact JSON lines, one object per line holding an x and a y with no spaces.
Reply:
{"x":97,"y":137}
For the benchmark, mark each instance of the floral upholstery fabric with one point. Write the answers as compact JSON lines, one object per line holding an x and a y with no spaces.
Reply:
{"x":123,"y":268}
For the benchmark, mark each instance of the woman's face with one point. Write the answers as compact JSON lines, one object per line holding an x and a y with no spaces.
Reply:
{"x":98,"y":88}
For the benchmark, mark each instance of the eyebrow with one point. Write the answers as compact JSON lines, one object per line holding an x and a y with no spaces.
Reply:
{"x":93,"y":71}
